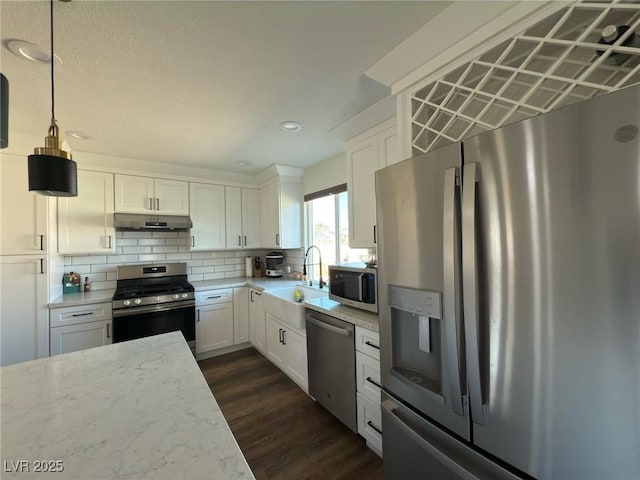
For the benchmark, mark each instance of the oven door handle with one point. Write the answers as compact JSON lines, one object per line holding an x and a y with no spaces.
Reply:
{"x":129,"y":312}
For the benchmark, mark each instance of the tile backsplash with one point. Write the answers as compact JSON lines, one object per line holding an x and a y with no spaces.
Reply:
{"x":154,"y":247}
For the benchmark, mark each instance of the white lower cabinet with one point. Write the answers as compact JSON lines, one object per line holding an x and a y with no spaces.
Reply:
{"x":214,"y":327}
{"x":24,"y":327}
{"x":240,"y":315}
{"x":257,"y":328}
{"x":80,"y":327}
{"x":287,"y":349}
{"x":368,"y":388}
{"x":80,"y":337}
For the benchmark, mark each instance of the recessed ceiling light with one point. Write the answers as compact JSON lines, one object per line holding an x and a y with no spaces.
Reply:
{"x":30,"y":51}
{"x":290,"y":126}
{"x":77,"y":134}
{"x":242,"y":163}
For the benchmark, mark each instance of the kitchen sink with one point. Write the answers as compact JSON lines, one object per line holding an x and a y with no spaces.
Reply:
{"x":280,"y":303}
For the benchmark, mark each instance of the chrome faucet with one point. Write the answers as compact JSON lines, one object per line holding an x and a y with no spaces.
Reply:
{"x":321,"y":282}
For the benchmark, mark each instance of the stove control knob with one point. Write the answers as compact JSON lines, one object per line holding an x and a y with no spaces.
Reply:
{"x":185,"y":295}
{"x":157,"y":299}
{"x":176,"y":296}
{"x":137,"y":301}
{"x":126,"y":303}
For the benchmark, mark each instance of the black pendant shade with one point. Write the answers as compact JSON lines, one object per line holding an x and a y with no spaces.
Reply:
{"x":4,"y":111}
{"x":53,"y":176}
{"x":51,"y":170}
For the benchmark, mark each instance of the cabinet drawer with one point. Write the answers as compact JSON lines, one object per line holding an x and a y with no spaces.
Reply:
{"x":211,"y":297}
{"x":368,"y":376}
{"x":370,"y":422}
{"x":59,"y":317}
{"x":368,"y":342}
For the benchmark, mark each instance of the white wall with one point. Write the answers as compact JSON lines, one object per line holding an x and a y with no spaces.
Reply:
{"x":326,"y":174}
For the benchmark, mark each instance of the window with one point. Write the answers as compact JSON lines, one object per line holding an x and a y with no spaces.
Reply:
{"x":328,"y":229}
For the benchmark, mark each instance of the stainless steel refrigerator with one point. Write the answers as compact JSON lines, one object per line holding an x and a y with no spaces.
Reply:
{"x":509,"y":293}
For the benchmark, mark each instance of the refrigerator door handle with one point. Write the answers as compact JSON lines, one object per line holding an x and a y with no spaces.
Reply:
{"x":451,"y":292}
{"x":390,"y":406}
{"x":479,"y":410}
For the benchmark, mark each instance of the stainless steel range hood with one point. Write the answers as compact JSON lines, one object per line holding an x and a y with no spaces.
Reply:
{"x":143,"y":222}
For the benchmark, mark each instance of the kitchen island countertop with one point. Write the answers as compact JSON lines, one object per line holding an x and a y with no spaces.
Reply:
{"x":131,"y":410}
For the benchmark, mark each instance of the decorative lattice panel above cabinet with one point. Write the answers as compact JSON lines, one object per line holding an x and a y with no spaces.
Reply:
{"x":584,"y":50}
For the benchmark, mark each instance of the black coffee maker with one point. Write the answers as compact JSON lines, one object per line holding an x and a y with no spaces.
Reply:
{"x":275,"y":264}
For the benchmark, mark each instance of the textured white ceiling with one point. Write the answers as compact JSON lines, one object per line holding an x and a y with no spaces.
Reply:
{"x":203,"y":83}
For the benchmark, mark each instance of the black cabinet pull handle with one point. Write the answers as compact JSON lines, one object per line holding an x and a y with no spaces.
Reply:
{"x":277,"y":239}
{"x":216,"y":296}
{"x":251,"y":296}
{"x":284,"y":339}
{"x":108,"y":330}
{"x":81,"y":314}
{"x":377,"y":347}
{"x":198,"y":316}
{"x":374,"y":427}
{"x":374,"y":235}
{"x":370,"y":380}
{"x":280,"y":335}
{"x":41,"y":242}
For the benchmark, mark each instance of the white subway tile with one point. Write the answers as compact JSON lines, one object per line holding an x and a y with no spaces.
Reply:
{"x":234,"y":261}
{"x":232,"y":275}
{"x":89,"y":259}
{"x":194,"y":263}
{"x":136,"y":235}
{"x":68,"y":260}
{"x":224,"y":268}
{"x":184,"y":248}
{"x":112,"y":275}
{"x":195,"y":278}
{"x":127,"y":250}
{"x":95,"y":277}
{"x":202,"y":270}
{"x":213,"y":261}
{"x":127,"y":242}
{"x":213,"y":276}
{"x":165,"y":249}
{"x":155,"y":257}
{"x":151,"y":241}
{"x":103,"y":268}
{"x":176,"y":241}
{"x":201,"y":255}
{"x":103,"y":286}
{"x":240,"y":253}
{"x":178,"y":256}
{"x":164,"y":234}
{"x":117,"y":259}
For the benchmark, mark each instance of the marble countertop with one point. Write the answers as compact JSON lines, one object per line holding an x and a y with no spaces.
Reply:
{"x":131,"y":410}
{"x":82,"y":298}
{"x":358,"y":317}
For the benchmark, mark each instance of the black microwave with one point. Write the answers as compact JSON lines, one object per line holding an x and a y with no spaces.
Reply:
{"x":355,"y":285}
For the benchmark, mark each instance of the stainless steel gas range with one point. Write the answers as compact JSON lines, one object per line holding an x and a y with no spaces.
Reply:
{"x":153,"y":299}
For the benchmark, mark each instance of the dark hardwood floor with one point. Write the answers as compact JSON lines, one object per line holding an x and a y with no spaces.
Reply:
{"x":282,"y":432}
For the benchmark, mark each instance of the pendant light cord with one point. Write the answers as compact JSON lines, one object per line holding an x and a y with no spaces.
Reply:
{"x":53,"y":97}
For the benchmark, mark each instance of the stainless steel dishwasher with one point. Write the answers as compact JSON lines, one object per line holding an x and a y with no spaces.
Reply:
{"x":332,"y":365}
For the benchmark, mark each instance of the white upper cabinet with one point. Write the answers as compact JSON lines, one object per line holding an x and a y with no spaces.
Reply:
{"x":85,"y":222}
{"x":23,"y":215}
{"x":243,"y":217}
{"x":366,"y":153}
{"x":281,"y":209}
{"x":134,"y":194}
{"x":207,"y":207}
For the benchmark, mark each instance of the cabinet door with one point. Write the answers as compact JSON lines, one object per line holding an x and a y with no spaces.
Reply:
{"x":362,"y":162}
{"x":133,"y":194}
{"x":80,"y":337}
{"x":207,"y":215}
{"x":388,"y":147}
{"x":171,"y":197}
{"x":290,"y":213}
{"x":214,"y":327}
{"x":270,"y":206}
{"x":251,"y":217}
{"x":23,"y":309}
{"x":23,"y":215}
{"x":240,"y":315}
{"x":85,"y":222}
{"x":233,"y":200}
{"x":257,"y":333}
{"x":276,"y":349}
{"x":297,"y":358}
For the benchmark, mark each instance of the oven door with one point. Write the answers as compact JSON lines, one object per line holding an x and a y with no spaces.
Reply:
{"x":129,"y":324}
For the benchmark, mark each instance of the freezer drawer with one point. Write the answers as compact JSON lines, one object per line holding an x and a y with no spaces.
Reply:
{"x":416,"y":449}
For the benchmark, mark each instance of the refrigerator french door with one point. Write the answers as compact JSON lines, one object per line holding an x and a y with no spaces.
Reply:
{"x":542,"y":234}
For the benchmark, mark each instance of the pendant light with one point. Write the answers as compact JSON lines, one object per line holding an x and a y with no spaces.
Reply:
{"x":52,"y":172}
